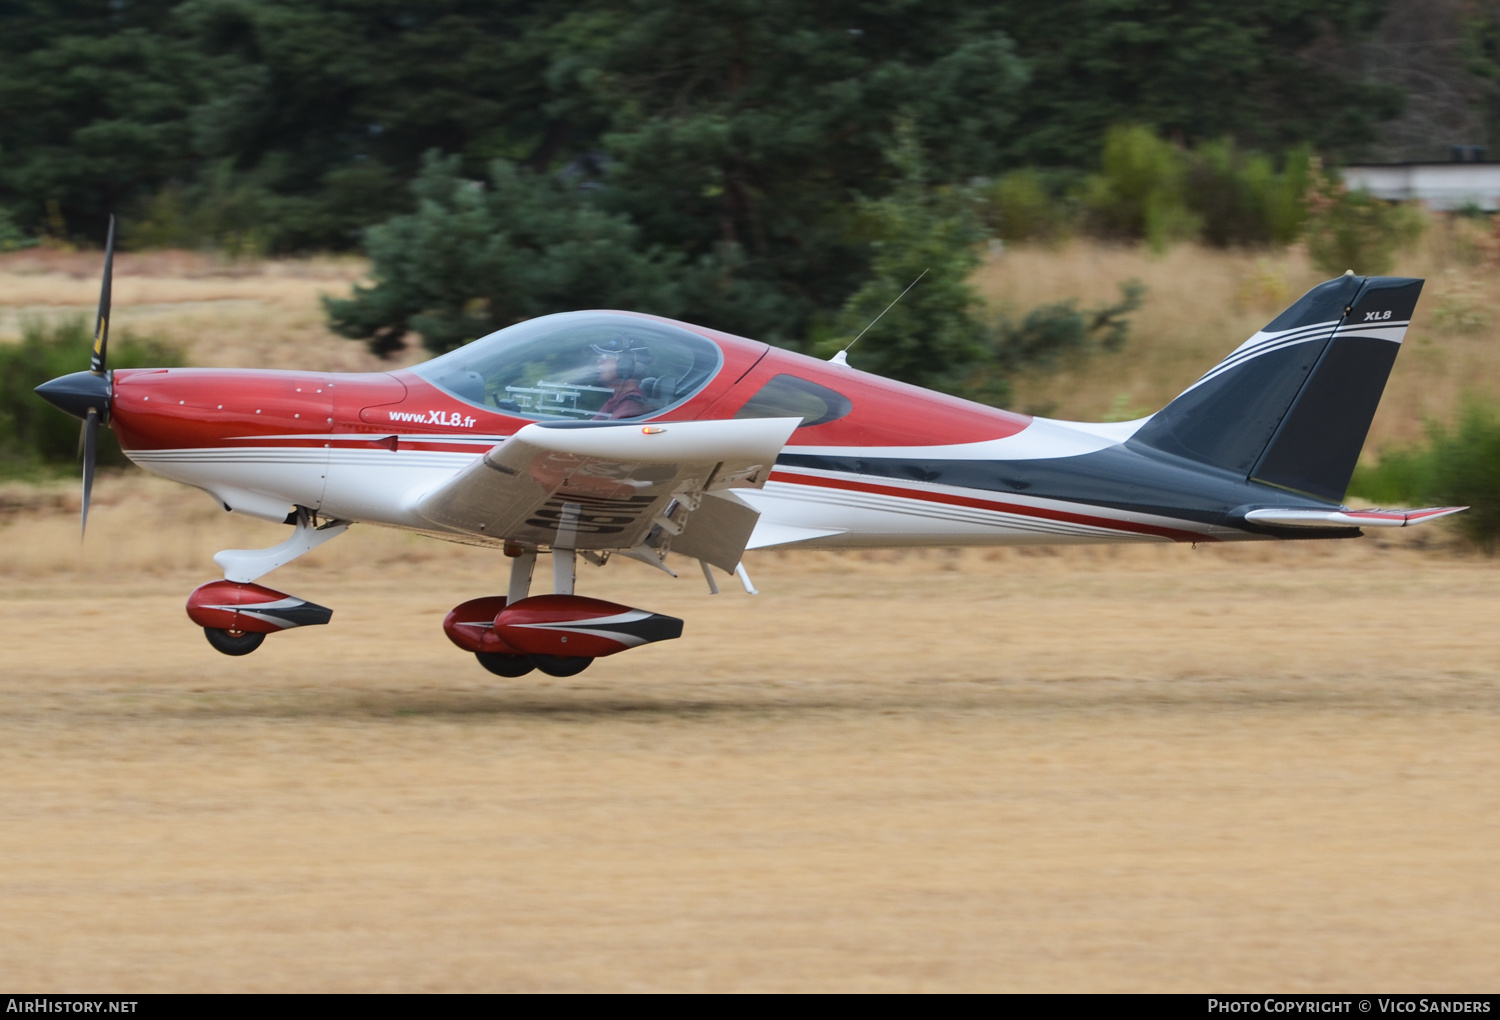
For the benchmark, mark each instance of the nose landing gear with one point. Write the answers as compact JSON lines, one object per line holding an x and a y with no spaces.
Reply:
{"x":236,"y":614}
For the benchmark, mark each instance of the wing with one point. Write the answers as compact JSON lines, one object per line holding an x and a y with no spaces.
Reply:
{"x":606,"y":486}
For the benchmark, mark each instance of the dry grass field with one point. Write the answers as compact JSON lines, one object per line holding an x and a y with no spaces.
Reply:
{"x":1258,"y":767}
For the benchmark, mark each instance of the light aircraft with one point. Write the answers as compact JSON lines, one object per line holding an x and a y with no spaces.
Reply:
{"x":603,"y":434}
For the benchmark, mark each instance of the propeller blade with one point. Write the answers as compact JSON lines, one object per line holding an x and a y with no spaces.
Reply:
{"x":90,"y":452}
{"x":101,"y":322}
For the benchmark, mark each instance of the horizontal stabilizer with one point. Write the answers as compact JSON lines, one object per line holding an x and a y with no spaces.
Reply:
{"x":1350,"y":518}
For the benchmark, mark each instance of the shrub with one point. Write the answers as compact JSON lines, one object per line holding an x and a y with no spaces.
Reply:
{"x":1458,"y":466}
{"x":1024,"y":206}
{"x":1139,"y":192}
{"x":12,"y":237}
{"x":1242,"y":199}
{"x":1353,"y":230}
{"x":34,"y":434}
{"x":1466,"y":472}
{"x":1044,"y":337}
{"x":1049,"y":333}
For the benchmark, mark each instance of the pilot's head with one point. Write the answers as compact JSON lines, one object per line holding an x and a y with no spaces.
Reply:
{"x":621,"y":358}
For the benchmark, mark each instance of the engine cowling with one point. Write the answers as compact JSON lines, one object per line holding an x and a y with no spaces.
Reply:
{"x":252,"y":608}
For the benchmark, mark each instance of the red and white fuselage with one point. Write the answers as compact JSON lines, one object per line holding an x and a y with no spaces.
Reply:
{"x":368,"y":447}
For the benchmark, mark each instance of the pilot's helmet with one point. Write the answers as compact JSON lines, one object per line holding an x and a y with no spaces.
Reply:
{"x":631,"y":356}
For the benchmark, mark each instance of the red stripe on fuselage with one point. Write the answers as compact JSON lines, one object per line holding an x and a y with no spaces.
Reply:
{"x":409,"y":441}
{"x":929,"y":496}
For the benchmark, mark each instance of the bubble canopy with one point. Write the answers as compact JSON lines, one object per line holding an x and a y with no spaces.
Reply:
{"x":578,"y":366}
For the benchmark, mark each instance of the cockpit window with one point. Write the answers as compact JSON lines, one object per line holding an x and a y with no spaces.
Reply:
{"x":578,"y":366}
{"x":786,"y":396}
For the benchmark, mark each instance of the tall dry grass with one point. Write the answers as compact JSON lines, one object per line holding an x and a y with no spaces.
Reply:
{"x":222,"y":313}
{"x":1204,"y":302}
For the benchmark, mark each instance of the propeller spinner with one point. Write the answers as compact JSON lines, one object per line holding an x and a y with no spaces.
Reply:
{"x":86,"y":395}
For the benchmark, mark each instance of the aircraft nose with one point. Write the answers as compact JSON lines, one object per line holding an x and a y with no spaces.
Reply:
{"x":76,"y":393}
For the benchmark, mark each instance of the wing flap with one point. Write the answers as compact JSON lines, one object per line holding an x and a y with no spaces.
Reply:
{"x":1350,"y":518}
{"x":606,"y":486}
{"x":718,"y":530}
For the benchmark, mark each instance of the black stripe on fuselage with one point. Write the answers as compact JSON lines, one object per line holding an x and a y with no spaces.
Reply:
{"x":1122,"y":477}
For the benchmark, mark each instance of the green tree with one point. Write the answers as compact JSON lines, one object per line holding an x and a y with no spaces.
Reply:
{"x":713,"y":123}
{"x":94,"y":106}
{"x":744,"y":130}
{"x":324,"y":107}
{"x":1194,"y":70}
{"x":1481,"y":48}
{"x":924,"y":236}
{"x":477,"y":256}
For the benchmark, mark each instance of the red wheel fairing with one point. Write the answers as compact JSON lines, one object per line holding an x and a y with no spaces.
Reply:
{"x":251,"y":608}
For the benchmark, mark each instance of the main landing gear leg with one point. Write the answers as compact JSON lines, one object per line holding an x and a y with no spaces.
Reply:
{"x":559,"y":634}
{"x":522,"y":565}
{"x":564,"y":553}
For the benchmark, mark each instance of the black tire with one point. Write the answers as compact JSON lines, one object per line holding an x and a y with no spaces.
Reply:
{"x":504,"y":665}
{"x":233,"y":642}
{"x":561,"y":665}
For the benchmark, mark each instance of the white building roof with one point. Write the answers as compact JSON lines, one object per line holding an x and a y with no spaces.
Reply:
{"x":1440,"y":185}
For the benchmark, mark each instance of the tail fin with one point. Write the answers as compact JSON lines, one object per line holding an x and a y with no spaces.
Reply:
{"x":1292,"y":405}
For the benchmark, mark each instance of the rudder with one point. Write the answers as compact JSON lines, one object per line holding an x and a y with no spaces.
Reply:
{"x":1292,"y":405}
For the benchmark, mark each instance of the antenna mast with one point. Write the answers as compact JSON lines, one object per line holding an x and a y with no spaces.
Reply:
{"x":842,"y":357}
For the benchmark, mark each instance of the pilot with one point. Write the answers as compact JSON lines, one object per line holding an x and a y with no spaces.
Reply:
{"x":622,"y":362}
